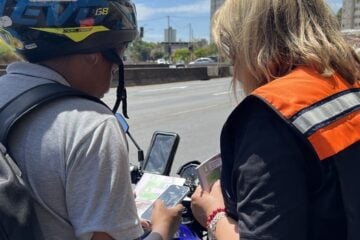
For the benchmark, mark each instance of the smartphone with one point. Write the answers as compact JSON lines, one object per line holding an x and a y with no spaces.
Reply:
{"x":161,"y":153}
{"x":173,"y":195}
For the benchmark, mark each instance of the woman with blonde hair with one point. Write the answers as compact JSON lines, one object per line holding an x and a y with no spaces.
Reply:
{"x":290,"y":149}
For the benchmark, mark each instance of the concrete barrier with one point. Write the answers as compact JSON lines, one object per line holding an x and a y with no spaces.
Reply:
{"x":146,"y":76}
{"x":219,"y":71}
{"x":147,"y":65}
{"x":158,"y":73}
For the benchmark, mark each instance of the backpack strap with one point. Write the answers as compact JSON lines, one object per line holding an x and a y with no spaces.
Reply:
{"x":30,"y":99}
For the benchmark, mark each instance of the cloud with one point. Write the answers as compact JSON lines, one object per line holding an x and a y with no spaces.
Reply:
{"x":144,"y":12}
{"x":200,"y":6}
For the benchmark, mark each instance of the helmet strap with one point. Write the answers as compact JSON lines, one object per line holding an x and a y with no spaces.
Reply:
{"x":121,"y":96}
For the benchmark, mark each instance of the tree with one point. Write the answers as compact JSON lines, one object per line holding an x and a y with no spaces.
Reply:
{"x":181,"y":54}
{"x":157,"y":53}
{"x":206,"y":51}
{"x":201,"y":43}
{"x":200,"y":52}
{"x":140,"y":50}
{"x":212,"y":49}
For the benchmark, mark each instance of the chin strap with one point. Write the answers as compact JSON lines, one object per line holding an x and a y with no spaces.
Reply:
{"x":121,"y":91}
{"x":121,"y":96}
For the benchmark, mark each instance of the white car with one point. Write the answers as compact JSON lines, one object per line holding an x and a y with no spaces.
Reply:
{"x":161,"y":61}
{"x":203,"y":60}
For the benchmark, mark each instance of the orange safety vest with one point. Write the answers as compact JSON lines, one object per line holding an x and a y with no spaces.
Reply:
{"x":324,"y":110}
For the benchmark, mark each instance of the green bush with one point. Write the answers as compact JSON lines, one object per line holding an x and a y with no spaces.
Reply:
{"x":7,"y":55}
{"x":181,"y":54}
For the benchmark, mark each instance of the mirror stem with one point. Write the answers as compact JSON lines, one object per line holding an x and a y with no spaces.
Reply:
{"x":140,"y":151}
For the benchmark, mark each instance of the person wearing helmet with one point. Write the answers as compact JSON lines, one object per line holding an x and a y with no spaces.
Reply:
{"x":72,"y":151}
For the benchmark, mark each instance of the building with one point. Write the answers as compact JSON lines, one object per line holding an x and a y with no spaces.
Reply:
{"x":350,"y":18}
{"x":350,"y":22}
{"x":170,"y":35}
{"x":215,"y":4}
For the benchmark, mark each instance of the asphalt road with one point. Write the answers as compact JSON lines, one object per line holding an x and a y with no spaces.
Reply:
{"x":196,"y":110}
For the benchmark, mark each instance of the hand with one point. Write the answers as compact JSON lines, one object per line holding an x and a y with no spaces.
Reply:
{"x":203,"y":203}
{"x":166,"y":221}
{"x":146,"y":225}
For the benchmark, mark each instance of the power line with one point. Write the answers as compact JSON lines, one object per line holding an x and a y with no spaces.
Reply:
{"x":164,"y":17}
{"x":204,"y":16}
{"x":180,"y":27}
{"x":153,"y":19}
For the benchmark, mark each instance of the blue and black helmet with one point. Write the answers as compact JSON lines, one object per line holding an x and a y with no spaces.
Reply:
{"x":44,"y":29}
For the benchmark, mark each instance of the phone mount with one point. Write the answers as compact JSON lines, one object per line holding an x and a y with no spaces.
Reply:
{"x":161,"y":152}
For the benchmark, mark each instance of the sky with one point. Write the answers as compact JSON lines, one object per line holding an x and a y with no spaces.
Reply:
{"x":190,"y":18}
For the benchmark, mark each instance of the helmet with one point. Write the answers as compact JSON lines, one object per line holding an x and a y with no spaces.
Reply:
{"x":44,"y":29}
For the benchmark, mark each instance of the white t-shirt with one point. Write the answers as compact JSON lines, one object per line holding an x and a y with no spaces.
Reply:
{"x":74,"y":157}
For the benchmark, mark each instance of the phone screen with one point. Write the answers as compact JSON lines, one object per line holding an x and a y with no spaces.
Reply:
{"x":160,"y":153}
{"x":173,"y":195}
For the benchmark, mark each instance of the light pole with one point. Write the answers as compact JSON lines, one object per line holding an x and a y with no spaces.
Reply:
{"x":168,"y":37}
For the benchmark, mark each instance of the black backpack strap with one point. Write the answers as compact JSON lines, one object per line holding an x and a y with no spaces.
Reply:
{"x":32,"y":98}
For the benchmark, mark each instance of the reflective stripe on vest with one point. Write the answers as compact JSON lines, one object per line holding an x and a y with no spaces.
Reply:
{"x":325,"y":110}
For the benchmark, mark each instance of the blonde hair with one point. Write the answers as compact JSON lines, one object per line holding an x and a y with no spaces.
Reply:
{"x":271,"y":37}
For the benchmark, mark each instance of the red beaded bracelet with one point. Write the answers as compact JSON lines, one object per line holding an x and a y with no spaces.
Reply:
{"x":213,"y":214}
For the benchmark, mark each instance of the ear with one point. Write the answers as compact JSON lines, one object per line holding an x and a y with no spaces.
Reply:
{"x":92,"y":58}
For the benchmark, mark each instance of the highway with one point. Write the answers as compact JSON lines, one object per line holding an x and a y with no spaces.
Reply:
{"x":196,"y":110}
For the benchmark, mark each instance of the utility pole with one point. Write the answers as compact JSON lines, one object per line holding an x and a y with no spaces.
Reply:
{"x":190,"y":34}
{"x":168,"y":36}
{"x":190,"y":45}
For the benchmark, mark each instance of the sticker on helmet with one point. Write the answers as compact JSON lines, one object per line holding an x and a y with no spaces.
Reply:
{"x":31,"y":46}
{"x":76,"y":34}
{"x":53,"y":0}
{"x":102,"y":11}
{"x":87,"y":22}
{"x":5,"y":21}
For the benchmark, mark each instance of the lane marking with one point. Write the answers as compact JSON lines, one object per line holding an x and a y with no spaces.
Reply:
{"x":195,"y":109}
{"x":221,"y":93}
{"x":162,"y":89}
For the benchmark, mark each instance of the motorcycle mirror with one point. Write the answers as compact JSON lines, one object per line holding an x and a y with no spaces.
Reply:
{"x":124,"y":125}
